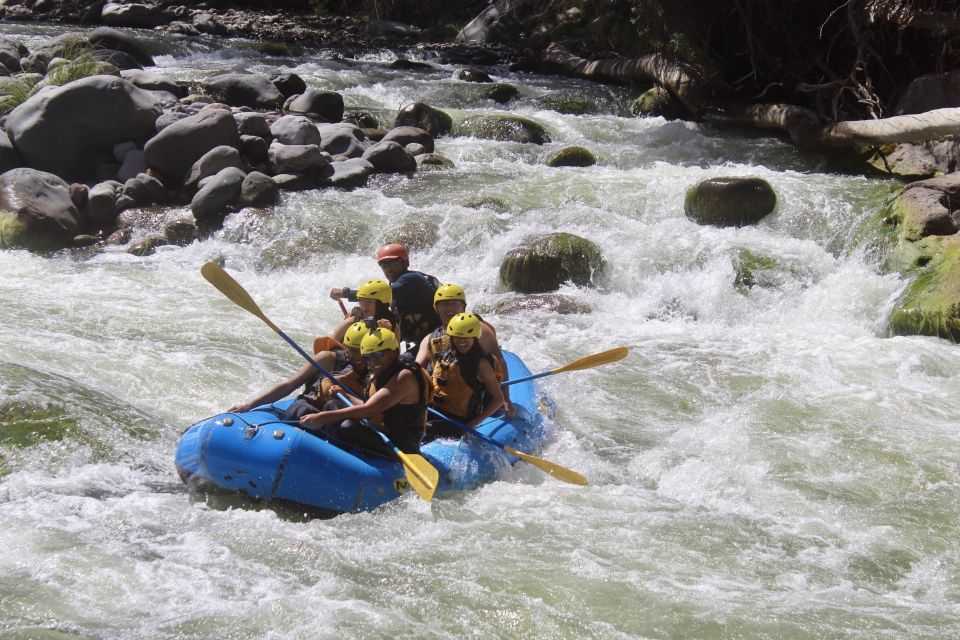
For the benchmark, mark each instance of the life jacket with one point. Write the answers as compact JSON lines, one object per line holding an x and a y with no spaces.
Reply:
{"x":326,"y":343}
{"x":440,"y":342}
{"x":457,"y":388}
{"x":407,"y":421}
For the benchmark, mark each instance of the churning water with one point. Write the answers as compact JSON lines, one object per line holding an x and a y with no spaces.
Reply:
{"x":764,"y":464}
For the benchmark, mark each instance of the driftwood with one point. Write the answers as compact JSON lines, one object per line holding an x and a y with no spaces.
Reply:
{"x":807,"y":132}
{"x":683,"y":82}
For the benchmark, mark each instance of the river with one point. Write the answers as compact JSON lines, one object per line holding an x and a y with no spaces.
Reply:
{"x":766,"y":463}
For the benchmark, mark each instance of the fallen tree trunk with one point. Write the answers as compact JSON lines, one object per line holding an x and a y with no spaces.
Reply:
{"x":807,"y":132}
{"x":683,"y":82}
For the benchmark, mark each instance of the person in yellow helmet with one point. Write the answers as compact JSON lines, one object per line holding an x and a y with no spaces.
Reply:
{"x":412,"y":294}
{"x":351,"y":372}
{"x":373,"y":307}
{"x":465,"y":386}
{"x":449,"y":300}
{"x":400,"y":392}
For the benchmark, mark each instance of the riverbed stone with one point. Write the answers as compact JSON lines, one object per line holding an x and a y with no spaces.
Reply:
{"x":433,"y":162}
{"x":504,"y":129}
{"x":217,"y":194}
{"x":102,"y":202}
{"x":930,"y":306}
{"x":132,"y":15}
{"x":390,"y":157}
{"x":258,"y":190}
{"x":289,"y":84}
{"x":254,"y":149}
{"x":41,"y":202}
{"x":69,"y":130}
{"x":730,"y":201}
{"x":571,"y":157}
{"x":152,"y":81}
{"x":295,"y":129}
{"x":317,"y":104}
{"x":251,"y":123}
{"x":349,"y":174}
{"x":243,"y":90}
{"x":10,"y":53}
{"x":174,"y":150}
{"x":180,"y":228}
{"x":542,"y":263}
{"x":10,"y":158}
{"x":473,"y":75}
{"x":342,"y":139}
{"x":294,"y":158}
{"x":125,"y":41}
{"x":434,"y":121}
{"x":926,"y":159}
{"x":211,"y":163}
{"x":410,"y":135}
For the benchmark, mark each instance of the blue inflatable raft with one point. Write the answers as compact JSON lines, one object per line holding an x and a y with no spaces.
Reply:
{"x":256,"y":454}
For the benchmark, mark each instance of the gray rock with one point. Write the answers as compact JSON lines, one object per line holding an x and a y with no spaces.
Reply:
{"x":212,"y":163}
{"x":42,"y":200}
{"x":926,"y":93}
{"x":134,"y":163}
{"x":543,"y":263}
{"x":102,"y":202}
{"x":250,"y":123}
{"x":505,"y":129}
{"x":180,"y":229}
{"x":295,"y":130}
{"x":69,"y":130}
{"x":316,"y":104}
{"x":473,"y":75}
{"x":297,"y":181}
{"x":142,"y":190}
{"x":113,"y":39}
{"x":390,"y":157}
{"x":37,"y":60}
{"x":120,"y":149}
{"x":294,"y":158}
{"x":168,"y":119}
{"x":218,"y":193}
{"x":10,"y":158}
{"x":407,"y":135}
{"x":434,"y":121}
{"x":342,"y":139}
{"x":132,"y":15}
{"x":289,"y":84}
{"x":258,"y":189}
{"x":10,"y":53}
{"x":244,"y":90}
{"x":497,"y":23}
{"x":254,"y":149}
{"x":432,"y":161}
{"x":174,"y":150}
{"x":151,"y":81}
{"x":350,"y":174}
{"x":415,"y":149}
{"x":147,"y":245}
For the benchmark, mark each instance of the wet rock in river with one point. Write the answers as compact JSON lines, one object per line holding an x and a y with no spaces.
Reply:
{"x":543,"y":263}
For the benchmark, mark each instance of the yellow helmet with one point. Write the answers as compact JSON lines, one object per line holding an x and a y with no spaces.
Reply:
{"x":464,"y":325}
{"x":375,"y":290}
{"x":379,"y":340}
{"x":450,"y":292}
{"x":355,"y":334}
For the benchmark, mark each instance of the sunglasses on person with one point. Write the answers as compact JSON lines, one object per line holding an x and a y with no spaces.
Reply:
{"x":376,"y":355}
{"x":390,"y":262}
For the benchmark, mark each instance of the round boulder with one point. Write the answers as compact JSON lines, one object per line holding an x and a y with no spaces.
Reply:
{"x":316,"y":104}
{"x":435,"y":122}
{"x":571,"y":157}
{"x":390,"y":157}
{"x":45,"y":215}
{"x":295,"y":130}
{"x":253,"y":90}
{"x":543,"y":263}
{"x":174,"y":150}
{"x":410,"y":135}
{"x":730,"y":202}
{"x":69,"y":130}
{"x":504,"y":129}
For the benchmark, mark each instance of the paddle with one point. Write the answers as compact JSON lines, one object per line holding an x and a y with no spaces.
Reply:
{"x":421,"y":475}
{"x":343,"y":308}
{"x":555,"y":470}
{"x":587,"y":362}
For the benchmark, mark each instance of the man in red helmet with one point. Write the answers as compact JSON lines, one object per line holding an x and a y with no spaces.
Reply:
{"x":412,"y":293}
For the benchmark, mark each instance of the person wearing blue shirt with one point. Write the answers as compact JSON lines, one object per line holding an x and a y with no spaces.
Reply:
{"x":413,"y":293}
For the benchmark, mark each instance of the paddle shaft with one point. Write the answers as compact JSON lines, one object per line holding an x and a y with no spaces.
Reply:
{"x":586,"y":362}
{"x":542,"y":374}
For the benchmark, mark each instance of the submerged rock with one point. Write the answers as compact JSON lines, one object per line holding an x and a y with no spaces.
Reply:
{"x":730,"y":202}
{"x":571,"y":157}
{"x":543,"y":263}
{"x":505,"y":129}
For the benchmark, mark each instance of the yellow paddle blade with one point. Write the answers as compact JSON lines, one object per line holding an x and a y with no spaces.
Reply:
{"x":225,"y":284}
{"x":558,"y":472}
{"x":421,"y":475}
{"x":597,"y":359}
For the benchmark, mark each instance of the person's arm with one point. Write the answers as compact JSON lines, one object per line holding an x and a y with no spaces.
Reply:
{"x":494,"y":395}
{"x":423,"y":353}
{"x":339,"y":293}
{"x":278,"y":392}
{"x":394,"y":392}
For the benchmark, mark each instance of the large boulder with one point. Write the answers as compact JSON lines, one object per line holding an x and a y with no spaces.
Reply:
{"x":69,"y":130}
{"x":390,"y":157}
{"x":343,"y":139}
{"x":543,"y":263}
{"x":115,"y":40}
{"x":349,"y":174}
{"x":151,"y":81}
{"x":504,"y":128}
{"x":133,"y":15}
{"x":410,"y":135}
{"x":10,"y":53}
{"x":316,"y":104}
{"x":218,"y":193}
{"x":930,"y":306}
{"x":497,"y":23}
{"x":925,"y":159}
{"x":40,"y":56}
{"x":295,"y":130}
{"x":434,"y":121}
{"x":174,"y":150}
{"x":571,"y":157}
{"x":730,"y":202}
{"x":258,"y":190}
{"x":296,"y":158}
{"x":253,"y":90}
{"x":39,"y":213}
{"x":212,"y":163}
{"x":926,"y":93}
{"x":10,"y":158}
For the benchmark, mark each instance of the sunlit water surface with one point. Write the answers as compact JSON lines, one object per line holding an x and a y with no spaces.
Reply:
{"x":766,"y":463}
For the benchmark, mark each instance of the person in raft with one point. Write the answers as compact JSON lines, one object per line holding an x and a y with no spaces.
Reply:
{"x":352,"y":374}
{"x":373,"y":303}
{"x":465,"y":388}
{"x":400,"y":392}
{"x":412,"y":294}
{"x":449,"y":300}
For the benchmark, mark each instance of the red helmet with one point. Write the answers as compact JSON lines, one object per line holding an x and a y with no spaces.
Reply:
{"x":392,"y":251}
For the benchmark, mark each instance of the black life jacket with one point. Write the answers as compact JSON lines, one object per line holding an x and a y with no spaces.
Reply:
{"x":405,"y":421}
